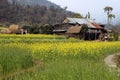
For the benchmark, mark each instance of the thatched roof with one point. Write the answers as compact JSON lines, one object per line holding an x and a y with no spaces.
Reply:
{"x":74,"y":29}
{"x":14,"y":28}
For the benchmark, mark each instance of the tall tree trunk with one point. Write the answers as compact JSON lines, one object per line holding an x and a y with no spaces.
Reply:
{"x":108,"y":19}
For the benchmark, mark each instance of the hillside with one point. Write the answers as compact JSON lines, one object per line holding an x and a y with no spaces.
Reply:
{"x":35,"y":2}
{"x":16,"y":12}
{"x":11,"y":12}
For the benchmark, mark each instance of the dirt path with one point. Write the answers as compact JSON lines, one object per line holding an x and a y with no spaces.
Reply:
{"x":108,"y":60}
{"x":112,"y":60}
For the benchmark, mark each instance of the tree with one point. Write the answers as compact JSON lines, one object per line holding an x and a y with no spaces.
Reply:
{"x":108,"y":9}
{"x":15,"y":13}
{"x":84,"y":30}
{"x":46,"y":29}
{"x":34,"y":29}
{"x":116,"y":32}
{"x":65,"y":8}
{"x":77,"y":15}
{"x":27,"y":27}
{"x":88,"y":15}
{"x":110,"y":17}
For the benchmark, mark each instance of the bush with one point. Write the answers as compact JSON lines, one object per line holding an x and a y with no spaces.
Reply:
{"x":34,"y":29}
{"x":46,"y":29}
{"x":116,"y":36}
{"x":116,"y":30}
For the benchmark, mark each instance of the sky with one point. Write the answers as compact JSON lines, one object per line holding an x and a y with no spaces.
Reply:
{"x":95,"y":7}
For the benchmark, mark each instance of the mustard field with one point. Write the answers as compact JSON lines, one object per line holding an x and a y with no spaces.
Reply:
{"x":51,"y":57}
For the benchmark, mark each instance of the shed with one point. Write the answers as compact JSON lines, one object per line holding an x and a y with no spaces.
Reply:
{"x":90,"y":23}
{"x":93,"y":29}
{"x":74,"y":26}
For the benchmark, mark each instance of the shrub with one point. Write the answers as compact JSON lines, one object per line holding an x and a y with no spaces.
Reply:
{"x":116,"y":30}
{"x":46,"y":29}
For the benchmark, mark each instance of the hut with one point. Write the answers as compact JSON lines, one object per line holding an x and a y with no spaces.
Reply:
{"x":80,"y":28}
{"x":93,"y":29}
{"x":16,"y":29}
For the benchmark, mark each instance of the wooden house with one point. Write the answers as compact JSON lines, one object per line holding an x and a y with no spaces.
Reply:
{"x":74,"y":27}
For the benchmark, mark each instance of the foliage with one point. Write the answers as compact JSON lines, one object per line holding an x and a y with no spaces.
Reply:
{"x":87,"y":15}
{"x":108,"y":9}
{"x":77,"y":15}
{"x":27,"y":27}
{"x":116,"y":35}
{"x":34,"y":29}
{"x":46,"y":29}
{"x":84,"y":30}
{"x":115,"y":31}
{"x":17,"y":13}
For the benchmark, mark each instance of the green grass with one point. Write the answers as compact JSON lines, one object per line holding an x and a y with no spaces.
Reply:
{"x":72,"y":69}
{"x":14,"y":58}
{"x":3,"y":28}
{"x":58,"y":58}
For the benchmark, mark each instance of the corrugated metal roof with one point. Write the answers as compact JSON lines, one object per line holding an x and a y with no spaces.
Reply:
{"x":90,"y":23}
{"x":76,"y":20}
